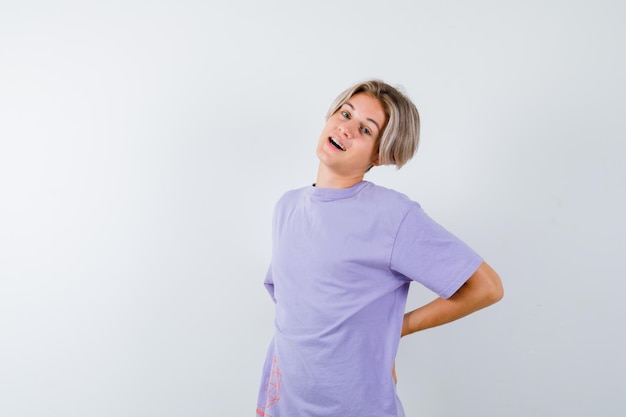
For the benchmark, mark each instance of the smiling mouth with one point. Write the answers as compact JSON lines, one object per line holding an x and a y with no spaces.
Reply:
{"x":336,"y":144}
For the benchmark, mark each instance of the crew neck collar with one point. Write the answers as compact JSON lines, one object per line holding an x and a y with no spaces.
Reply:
{"x":329,"y":194}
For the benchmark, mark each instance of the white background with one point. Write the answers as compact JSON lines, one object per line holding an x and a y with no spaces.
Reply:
{"x":143,"y":145}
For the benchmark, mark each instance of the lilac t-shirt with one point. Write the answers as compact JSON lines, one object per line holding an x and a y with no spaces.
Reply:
{"x":341,"y":266}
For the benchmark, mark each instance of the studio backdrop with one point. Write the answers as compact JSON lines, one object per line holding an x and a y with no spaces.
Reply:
{"x":143,"y":145}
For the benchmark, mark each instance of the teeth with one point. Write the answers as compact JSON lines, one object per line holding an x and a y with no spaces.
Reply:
{"x":337,"y":144}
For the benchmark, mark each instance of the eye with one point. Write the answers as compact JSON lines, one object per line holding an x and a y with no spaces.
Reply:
{"x":345,"y":114}
{"x":366,"y":131}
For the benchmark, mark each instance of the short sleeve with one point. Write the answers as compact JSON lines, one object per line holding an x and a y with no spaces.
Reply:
{"x":427,"y":253}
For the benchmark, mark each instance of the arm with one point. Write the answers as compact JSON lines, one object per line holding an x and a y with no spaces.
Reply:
{"x":482,"y":289}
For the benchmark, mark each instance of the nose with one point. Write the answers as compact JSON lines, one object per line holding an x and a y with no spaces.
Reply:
{"x":347,"y":128}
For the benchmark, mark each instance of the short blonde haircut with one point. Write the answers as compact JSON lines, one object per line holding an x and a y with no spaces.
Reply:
{"x":399,"y":139}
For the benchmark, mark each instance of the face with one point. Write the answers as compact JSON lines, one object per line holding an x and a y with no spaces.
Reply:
{"x":348,"y":144}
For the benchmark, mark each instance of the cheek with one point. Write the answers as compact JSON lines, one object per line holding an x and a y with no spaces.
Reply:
{"x":374,"y":145}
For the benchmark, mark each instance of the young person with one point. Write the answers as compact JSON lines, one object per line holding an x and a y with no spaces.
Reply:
{"x":344,"y":252}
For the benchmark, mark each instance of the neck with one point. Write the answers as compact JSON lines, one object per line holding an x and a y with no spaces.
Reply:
{"x":326,"y":179}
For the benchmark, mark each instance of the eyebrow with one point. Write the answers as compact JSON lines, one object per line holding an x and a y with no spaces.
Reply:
{"x":371,"y":120}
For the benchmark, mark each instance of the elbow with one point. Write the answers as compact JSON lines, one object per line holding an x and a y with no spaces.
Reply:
{"x":491,"y":288}
{"x":495,"y":292}
{"x":484,"y":288}
{"x":489,"y":295}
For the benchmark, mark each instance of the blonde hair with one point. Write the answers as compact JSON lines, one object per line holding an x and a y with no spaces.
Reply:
{"x":399,"y":139}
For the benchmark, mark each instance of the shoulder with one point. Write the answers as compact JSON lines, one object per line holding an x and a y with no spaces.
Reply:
{"x":386,"y":206}
{"x":289,"y":199}
{"x":388,"y":198}
{"x":293,"y":193}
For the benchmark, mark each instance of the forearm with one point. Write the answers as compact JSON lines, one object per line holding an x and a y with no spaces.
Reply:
{"x":482,"y":289}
